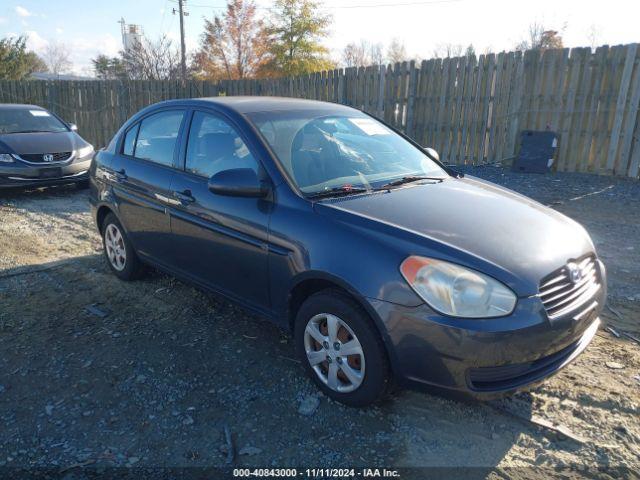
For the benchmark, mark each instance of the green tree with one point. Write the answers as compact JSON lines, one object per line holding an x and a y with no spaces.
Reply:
{"x":296,"y":30}
{"x":16,"y":63}
{"x":109,"y":68}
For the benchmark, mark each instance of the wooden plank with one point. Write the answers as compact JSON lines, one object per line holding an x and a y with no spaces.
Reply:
{"x":578,"y":117}
{"x":420,"y":103}
{"x":634,"y":162}
{"x":442,"y":106}
{"x":623,"y":164}
{"x":448,"y":122}
{"x":411,"y":94}
{"x":568,"y":107}
{"x":467,"y":124}
{"x":493,"y":107}
{"x":502,"y":106}
{"x":474,"y":132}
{"x":598,"y":69}
{"x":607,"y":106}
{"x":486,"y":99}
{"x":629,"y":63}
{"x":456,"y":119}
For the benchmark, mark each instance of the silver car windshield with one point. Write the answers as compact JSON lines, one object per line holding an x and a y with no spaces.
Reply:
{"x":28,"y":120}
{"x":323,"y":152}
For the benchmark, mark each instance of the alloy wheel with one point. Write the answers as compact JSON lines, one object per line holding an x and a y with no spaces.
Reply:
{"x":334,"y":352}
{"x":114,"y":244}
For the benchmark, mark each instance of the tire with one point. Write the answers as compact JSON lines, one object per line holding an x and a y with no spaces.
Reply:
{"x":125,"y":265}
{"x":356,"y":390}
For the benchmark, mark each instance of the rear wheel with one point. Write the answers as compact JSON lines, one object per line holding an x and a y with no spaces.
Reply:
{"x":341,"y":349}
{"x":121,"y":257}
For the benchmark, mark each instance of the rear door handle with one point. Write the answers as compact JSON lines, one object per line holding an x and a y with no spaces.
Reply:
{"x":184,"y":197}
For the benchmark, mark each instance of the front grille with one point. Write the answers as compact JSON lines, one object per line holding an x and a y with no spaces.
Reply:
{"x":39,"y":157}
{"x":560,"y":294}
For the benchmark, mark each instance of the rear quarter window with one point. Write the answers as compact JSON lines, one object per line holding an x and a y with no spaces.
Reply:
{"x":157,"y":137}
{"x":128,"y":146}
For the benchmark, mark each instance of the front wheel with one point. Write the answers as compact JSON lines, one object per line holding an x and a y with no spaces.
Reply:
{"x":341,"y":349}
{"x":121,"y":257}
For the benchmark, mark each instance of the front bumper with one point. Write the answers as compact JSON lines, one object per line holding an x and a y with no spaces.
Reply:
{"x":18,"y":174}
{"x":489,"y":356}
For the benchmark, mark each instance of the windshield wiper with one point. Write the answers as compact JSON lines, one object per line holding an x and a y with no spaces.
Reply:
{"x":408,"y":179}
{"x":337,"y":191}
{"x":32,"y":131}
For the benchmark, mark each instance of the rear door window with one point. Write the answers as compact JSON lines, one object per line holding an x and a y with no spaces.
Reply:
{"x":157,"y":137}
{"x":214,"y":145}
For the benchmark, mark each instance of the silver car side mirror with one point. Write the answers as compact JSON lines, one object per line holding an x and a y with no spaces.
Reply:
{"x":73,"y":127}
{"x":432,"y":154}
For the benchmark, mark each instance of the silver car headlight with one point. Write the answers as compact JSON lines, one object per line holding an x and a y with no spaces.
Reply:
{"x":85,"y":151}
{"x":6,"y":158}
{"x":457,"y":291}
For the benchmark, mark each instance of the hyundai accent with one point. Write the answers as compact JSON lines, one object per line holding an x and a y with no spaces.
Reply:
{"x":386,"y":265}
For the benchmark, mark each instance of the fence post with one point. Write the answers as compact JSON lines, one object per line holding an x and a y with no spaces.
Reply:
{"x":629,"y":63}
{"x":380,"y":105}
{"x":411,"y":99}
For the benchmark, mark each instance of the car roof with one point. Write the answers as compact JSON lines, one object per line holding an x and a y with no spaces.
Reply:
{"x":248,"y":104}
{"x":14,"y":106}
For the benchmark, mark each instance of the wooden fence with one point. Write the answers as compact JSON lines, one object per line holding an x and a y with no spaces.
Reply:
{"x":470,"y":109}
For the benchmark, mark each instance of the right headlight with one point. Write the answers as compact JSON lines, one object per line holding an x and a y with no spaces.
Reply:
{"x":6,"y":158}
{"x":85,"y":151}
{"x":457,"y":291}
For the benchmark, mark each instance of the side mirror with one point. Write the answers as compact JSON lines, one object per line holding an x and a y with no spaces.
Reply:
{"x":238,"y":182}
{"x":73,"y":127}
{"x":432,"y":154}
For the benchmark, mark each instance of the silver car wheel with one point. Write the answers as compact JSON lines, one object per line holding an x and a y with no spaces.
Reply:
{"x":334,"y":352}
{"x":114,"y":244}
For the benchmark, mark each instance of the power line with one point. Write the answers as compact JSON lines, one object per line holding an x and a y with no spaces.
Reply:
{"x":344,"y":7}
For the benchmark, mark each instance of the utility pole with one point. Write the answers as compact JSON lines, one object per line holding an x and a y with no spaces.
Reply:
{"x":183,"y":54}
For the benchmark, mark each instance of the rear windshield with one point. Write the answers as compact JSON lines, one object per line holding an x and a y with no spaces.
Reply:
{"x":29,"y":120}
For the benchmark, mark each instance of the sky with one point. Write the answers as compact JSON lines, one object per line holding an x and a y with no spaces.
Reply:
{"x":90,"y":27}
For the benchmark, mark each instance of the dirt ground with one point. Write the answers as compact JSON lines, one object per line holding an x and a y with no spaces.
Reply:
{"x":97,"y":372}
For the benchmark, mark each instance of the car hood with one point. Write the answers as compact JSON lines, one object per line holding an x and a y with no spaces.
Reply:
{"x":23,"y":143}
{"x":474,"y":223}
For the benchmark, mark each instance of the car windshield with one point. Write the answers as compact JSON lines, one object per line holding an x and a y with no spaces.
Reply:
{"x":27,"y":120}
{"x":323,"y":152}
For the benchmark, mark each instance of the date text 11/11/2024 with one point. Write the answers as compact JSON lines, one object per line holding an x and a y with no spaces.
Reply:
{"x":316,"y":472}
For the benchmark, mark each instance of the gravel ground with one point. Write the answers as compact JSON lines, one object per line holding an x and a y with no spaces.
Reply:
{"x":97,"y":372}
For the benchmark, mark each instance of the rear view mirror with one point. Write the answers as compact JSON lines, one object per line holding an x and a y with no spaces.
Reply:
{"x":238,"y":182}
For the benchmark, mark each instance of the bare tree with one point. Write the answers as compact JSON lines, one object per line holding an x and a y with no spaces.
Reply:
{"x":57,"y":57}
{"x":396,"y":51}
{"x":593,"y":35}
{"x":354,"y":55}
{"x":541,"y":38}
{"x":376,"y":54}
{"x":149,"y":60}
{"x":362,"y":54}
{"x":446,"y":50}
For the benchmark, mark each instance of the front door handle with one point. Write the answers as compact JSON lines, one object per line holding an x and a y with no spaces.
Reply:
{"x":120,"y":175}
{"x":185,"y":197}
